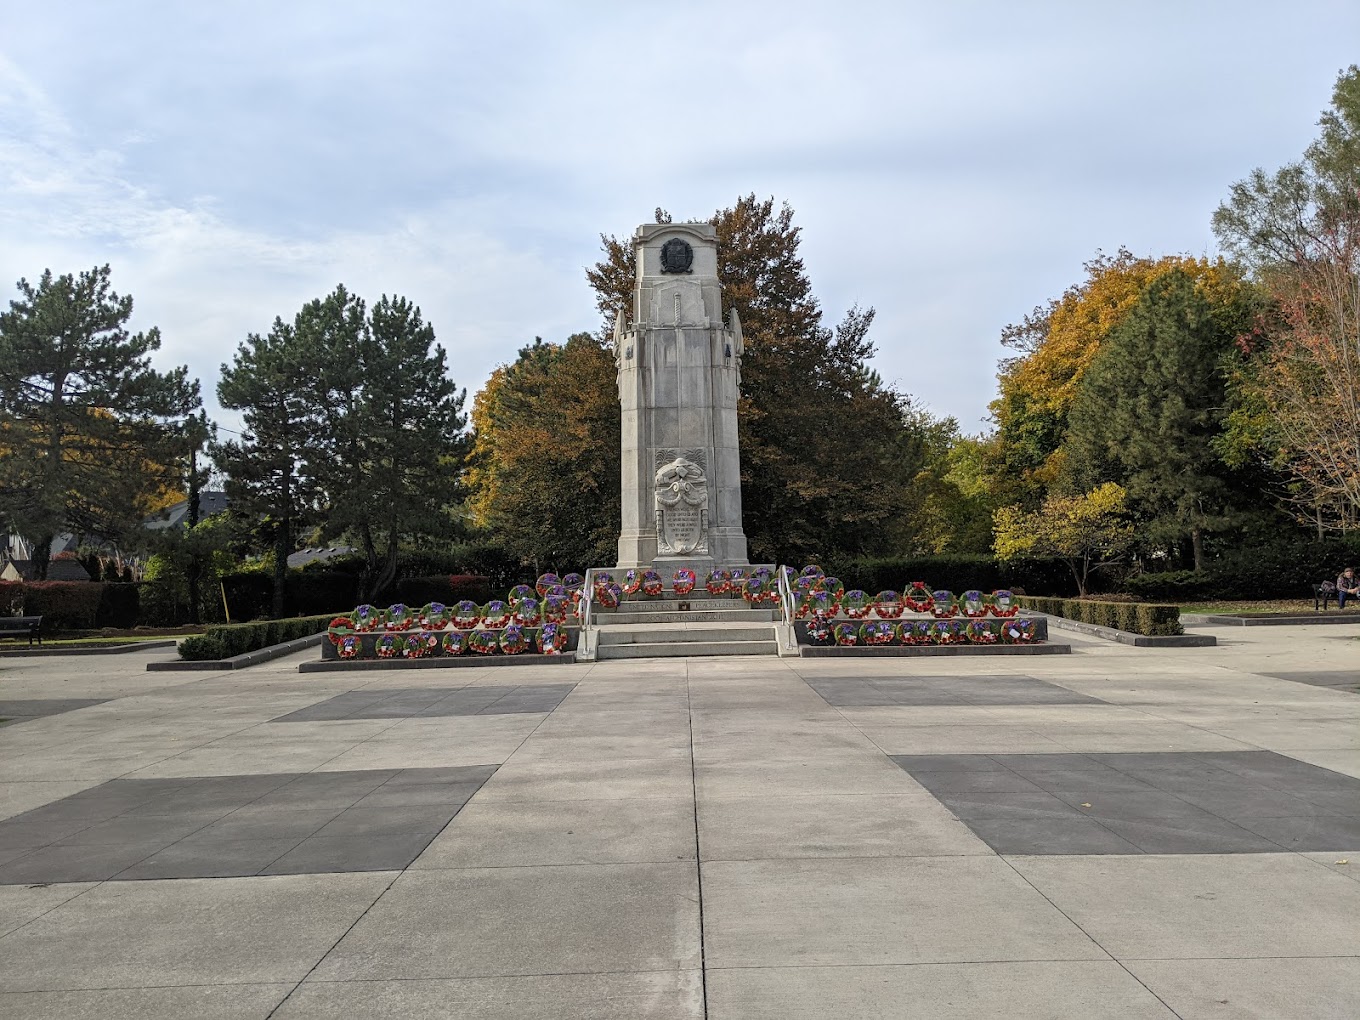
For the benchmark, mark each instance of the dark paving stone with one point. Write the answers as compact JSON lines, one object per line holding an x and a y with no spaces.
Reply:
{"x":1046,"y":836}
{"x":219,"y":826}
{"x":438,"y":702}
{"x":18,"y":710}
{"x":358,"y":853}
{"x":945,"y":690}
{"x":1341,"y":680}
{"x":1158,"y":803}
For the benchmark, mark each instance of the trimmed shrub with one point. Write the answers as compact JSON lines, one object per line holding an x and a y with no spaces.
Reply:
{"x":1133,"y":617}
{"x":237,"y":639}
{"x":63,"y":605}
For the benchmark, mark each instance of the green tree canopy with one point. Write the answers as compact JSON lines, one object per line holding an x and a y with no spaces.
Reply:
{"x":90,"y":434}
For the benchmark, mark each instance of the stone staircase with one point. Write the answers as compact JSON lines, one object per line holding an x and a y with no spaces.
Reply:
{"x":645,"y":627}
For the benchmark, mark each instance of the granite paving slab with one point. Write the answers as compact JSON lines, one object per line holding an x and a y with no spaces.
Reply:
{"x":225,"y":826}
{"x":945,"y":690}
{"x":434,"y":702}
{"x":1152,"y":803}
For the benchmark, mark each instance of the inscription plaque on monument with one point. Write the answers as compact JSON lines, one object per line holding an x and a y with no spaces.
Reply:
{"x":681,"y":506}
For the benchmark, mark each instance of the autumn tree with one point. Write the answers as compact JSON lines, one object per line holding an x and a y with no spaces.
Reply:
{"x":90,"y":433}
{"x":1088,"y":532}
{"x":1299,"y":231}
{"x":544,"y":470}
{"x":826,"y":447}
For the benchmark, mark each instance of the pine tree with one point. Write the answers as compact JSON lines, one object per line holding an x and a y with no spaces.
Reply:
{"x":90,"y":433}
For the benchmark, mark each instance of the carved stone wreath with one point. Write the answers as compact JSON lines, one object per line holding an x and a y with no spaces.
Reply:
{"x":677,"y":256}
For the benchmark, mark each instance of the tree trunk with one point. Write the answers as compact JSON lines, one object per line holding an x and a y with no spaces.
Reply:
{"x":1197,"y":544}
{"x":1079,"y":576}
{"x":195,"y":569}
{"x":41,"y":555}
{"x":389,"y":566}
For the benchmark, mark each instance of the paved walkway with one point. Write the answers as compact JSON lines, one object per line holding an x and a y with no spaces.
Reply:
{"x":1117,"y":833}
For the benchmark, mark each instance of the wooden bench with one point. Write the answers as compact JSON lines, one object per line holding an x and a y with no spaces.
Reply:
{"x":1324,"y":592}
{"x":18,"y":626}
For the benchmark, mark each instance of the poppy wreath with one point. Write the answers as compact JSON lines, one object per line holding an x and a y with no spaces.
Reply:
{"x":819,"y":630}
{"x":719,"y":582}
{"x":845,"y":633}
{"x":856,"y":604}
{"x":608,"y":595}
{"x":386,"y":645}
{"x":632,"y":581}
{"x":918,"y":597}
{"x":455,"y":642}
{"x":349,"y":646}
{"x":833,"y":587}
{"x":603,"y":577}
{"x":554,"y":608}
{"x":802,"y":585}
{"x":973,"y":604}
{"x":753,"y":589}
{"x":367,"y":618}
{"x":482,"y":641}
{"x":573,"y":582}
{"x":944,"y":607}
{"x":398,"y":617}
{"x":683,"y":581}
{"x":413,"y":646}
{"x":876,"y":632}
{"x":435,"y":616}
{"x":1019,"y":632}
{"x":739,"y":577}
{"x":1002,"y":604}
{"x":546,"y":583}
{"x":652,"y":584}
{"x":513,"y":641}
{"x":528,"y":612}
{"x":916,"y":632}
{"x":812,"y":570}
{"x":949,"y":632}
{"x":817,"y":603}
{"x":495,"y":614}
{"x":340,"y":627}
{"x":888,"y":605}
{"x":466,"y":615}
{"x":983,"y":632}
{"x":520,"y":591}
{"x":552,"y":639}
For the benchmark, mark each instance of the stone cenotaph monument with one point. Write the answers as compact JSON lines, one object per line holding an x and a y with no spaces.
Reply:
{"x":679,"y":372}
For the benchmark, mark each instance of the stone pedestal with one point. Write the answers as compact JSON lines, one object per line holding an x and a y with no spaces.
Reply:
{"x":679,"y":372}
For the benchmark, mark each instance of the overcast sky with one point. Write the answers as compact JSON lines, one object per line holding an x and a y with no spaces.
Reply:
{"x":951,"y":164}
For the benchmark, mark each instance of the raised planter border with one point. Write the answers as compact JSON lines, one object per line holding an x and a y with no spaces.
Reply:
{"x":1137,"y":640}
{"x":1292,"y":620}
{"x":126,"y":646}
{"x":905,"y":651}
{"x":469,"y":660}
{"x":242,"y":661}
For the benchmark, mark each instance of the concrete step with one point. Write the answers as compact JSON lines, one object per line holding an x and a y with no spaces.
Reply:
{"x":698,"y":599}
{"x":609,"y":617}
{"x":678,"y":649}
{"x":683,"y":635}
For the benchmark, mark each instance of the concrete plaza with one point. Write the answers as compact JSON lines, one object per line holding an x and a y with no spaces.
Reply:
{"x":1122,"y":832}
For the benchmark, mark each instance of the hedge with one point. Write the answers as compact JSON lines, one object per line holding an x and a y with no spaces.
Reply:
{"x":1146,"y":618}
{"x":471,"y":559}
{"x":417,"y":591}
{"x":956,"y":572}
{"x":1283,"y":570}
{"x":239,"y":638}
{"x":74,"y":605}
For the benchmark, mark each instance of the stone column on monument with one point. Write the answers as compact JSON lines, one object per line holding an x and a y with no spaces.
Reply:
{"x":679,"y":371}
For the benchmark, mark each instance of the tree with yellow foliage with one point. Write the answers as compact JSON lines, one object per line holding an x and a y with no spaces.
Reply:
{"x":1087,"y":532}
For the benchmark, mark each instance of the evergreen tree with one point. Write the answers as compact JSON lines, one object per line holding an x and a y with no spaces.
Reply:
{"x":391,"y":450}
{"x":1150,"y":408}
{"x":90,"y":433}
{"x":271,"y":381}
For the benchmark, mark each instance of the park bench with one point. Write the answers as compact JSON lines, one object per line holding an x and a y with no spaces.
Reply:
{"x":1323,"y":592}
{"x":19,"y":626}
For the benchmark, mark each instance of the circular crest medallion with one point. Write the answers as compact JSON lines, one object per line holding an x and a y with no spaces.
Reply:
{"x":676,"y":256}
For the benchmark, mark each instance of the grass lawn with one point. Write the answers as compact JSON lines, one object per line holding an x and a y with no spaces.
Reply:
{"x":1267,"y":606}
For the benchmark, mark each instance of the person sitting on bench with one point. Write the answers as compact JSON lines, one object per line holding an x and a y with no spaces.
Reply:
{"x":1347,"y":587}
